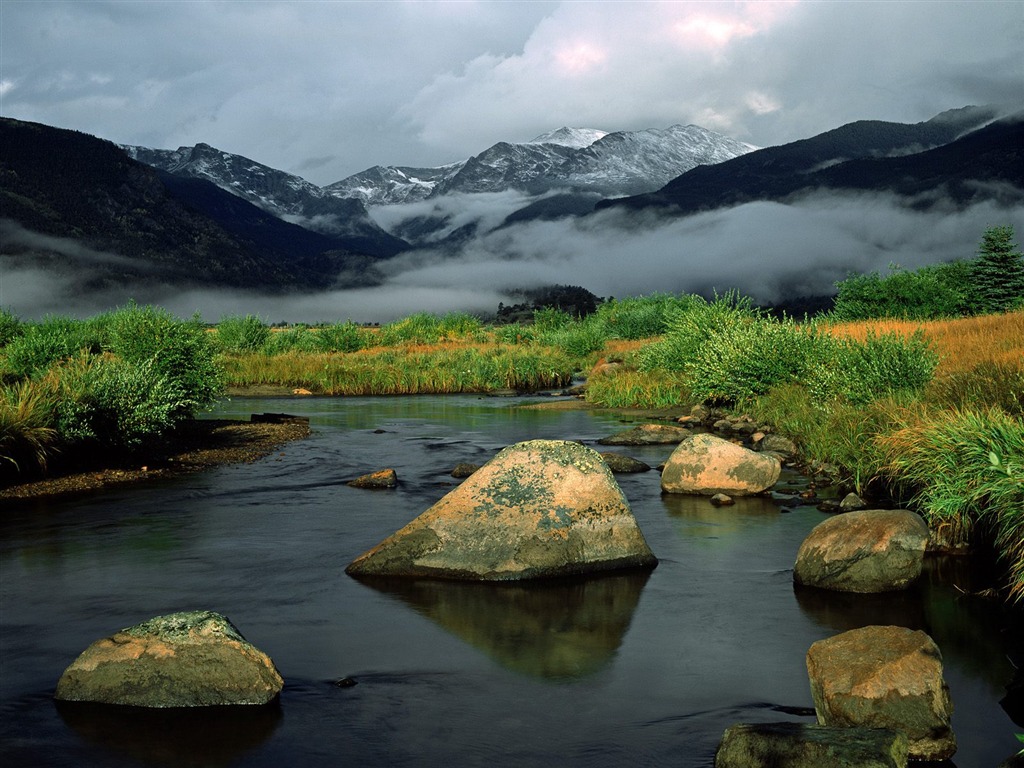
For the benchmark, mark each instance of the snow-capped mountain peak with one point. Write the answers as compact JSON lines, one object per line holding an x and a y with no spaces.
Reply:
{"x":576,"y":138}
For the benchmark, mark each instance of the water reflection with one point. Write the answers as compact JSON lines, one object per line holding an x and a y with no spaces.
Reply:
{"x":207,"y":736}
{"x":698,"y":517}
{"x":565,"y":629}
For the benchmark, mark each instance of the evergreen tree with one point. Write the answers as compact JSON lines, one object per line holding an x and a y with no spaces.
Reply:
{"x":997,"y":275}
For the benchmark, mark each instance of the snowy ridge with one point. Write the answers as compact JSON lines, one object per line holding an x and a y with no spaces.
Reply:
{"x":577,"y":138}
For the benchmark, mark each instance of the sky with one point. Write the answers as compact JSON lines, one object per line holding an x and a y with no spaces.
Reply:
{"x":327,"y":89}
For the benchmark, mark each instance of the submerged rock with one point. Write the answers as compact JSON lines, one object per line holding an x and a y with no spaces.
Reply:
{"x":189,"y":659}
{"x":648,"y":434}
{"x":463,"y":470}
{"x":624,"y":464}
{"x":798,"y":745}
{"x":385,"y":478}
{"x":873,"y":550}
{"x":884,"y":677}
{"x":538,"y":509}
{"x":706,"y":465}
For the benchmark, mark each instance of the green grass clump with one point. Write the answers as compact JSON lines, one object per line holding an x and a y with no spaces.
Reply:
{"x":27,"y":433}
{"x":426,"y":328}
{"x":638,"y":389}
{"x":39,"y":345}
{"x":966,"y":469}
{"x":642,"y":317}
{"x":989,"y":384}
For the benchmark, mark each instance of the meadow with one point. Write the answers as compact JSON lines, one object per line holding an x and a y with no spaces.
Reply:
{"x":927,"y":413}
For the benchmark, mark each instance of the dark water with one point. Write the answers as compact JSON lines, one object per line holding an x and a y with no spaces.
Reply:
{"x":622,"y":670}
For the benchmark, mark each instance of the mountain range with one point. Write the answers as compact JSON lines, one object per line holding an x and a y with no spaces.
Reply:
{"x":200,"y":215}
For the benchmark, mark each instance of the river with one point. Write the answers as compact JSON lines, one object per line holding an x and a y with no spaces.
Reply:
{"x":629,"y":669}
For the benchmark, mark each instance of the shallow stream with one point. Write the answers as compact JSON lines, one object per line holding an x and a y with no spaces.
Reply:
{"x":622,"y":670}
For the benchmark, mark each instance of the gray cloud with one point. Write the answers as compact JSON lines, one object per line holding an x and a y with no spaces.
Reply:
{"x":769,"y":251}
{"x":326,"y":89}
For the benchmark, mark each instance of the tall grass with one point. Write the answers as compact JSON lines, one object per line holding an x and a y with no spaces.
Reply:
{"x":966,"y":468}
{"x":638,"y":389}
{"x":27,"y":433}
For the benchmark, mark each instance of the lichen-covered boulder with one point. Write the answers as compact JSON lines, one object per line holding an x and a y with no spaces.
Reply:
{"x":705,"y":465}
{"x":648,"y":434}
{"x":884,"y":677}
{"x":800,"y":745}
{"x":871,"y":550}
{"x":538,"y":509}
{"x":189,"y":659}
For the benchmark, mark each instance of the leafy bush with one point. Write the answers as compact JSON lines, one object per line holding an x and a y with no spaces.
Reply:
{"x":690,"y":328}
{"x":340,"y":337}
{"x":514,"y":333}
{"x":937,"y":291}
{"x":111,"y":401}
{"x":881,"y":365}
{"x":10,"y":327}
{"x":242,"y":334}
{"x":578,"y":338}
{"x":182,"y":351}
{"x":748,"y":358}
{"x":642,"y":317}
{"x":42,"y":344}
{"x":298,"y":338}
{"x":550,"y":319}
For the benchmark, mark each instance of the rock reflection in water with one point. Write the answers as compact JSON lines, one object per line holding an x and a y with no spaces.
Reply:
{"x":559,"y":629}
{"x":700,"y":517}
{"x":208,"y":736}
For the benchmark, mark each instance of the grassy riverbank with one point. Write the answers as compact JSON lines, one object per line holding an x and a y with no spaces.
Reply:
{"x":928,"y":410}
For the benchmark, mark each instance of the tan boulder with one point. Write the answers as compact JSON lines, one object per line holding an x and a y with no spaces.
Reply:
{"x":707,"y":465}
{"x":189,"y":659}
{"x":385,"y":478}
{"x":884,"y":677}
{"x":871,"y":550}
{"x":538,"y":509}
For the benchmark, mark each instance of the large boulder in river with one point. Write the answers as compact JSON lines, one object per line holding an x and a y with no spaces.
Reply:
{"x":189,"y":659}
{"x":871,"y":550}
{"x":802,"y":745}
{"x":538,"y":509}
{"x":705,"y":465}
{"x":884,"y":677}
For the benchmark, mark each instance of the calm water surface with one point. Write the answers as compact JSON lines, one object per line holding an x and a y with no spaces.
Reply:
{"x":622,"y":670}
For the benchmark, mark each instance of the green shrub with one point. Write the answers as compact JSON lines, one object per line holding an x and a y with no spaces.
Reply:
{"x":748,"y":358}
{"x":49,"y":341}
{"x":113,"y":402}
{"x":182,"y":351}
{"x":550,"y":319}
{"x":340,"y":337}
{"x":936,"y":291}
{"x":577,"y":338}
{"x":514,"y":333}
{"x":882,"y":365}
{"x":10,"y":327}
{"x":298,"y":338}
{"x":638,"y":389}
{"x":690,"y":328}
{"x":642,"y":317}
{"x":421,"y":328}
{"x":242,"y":334}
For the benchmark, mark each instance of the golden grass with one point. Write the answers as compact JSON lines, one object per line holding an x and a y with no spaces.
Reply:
{"x":962,"y":343}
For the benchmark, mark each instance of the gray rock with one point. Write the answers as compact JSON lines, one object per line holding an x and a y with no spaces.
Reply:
{"x":799,"y":745}
{"x":873,"y":550}
{"x":884,"y":677}
{"x":624,"y":464}
{"x":722,"y":500}
{"x":851,"y":503}
{"x":648,"y":434}
{"x":190,"y":659}
{"x":705,"y":465}
{"x":538,"y":509}
{"x":776,"y":444}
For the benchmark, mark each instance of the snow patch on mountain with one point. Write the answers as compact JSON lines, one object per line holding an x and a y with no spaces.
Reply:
{"x":577,"y":138}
